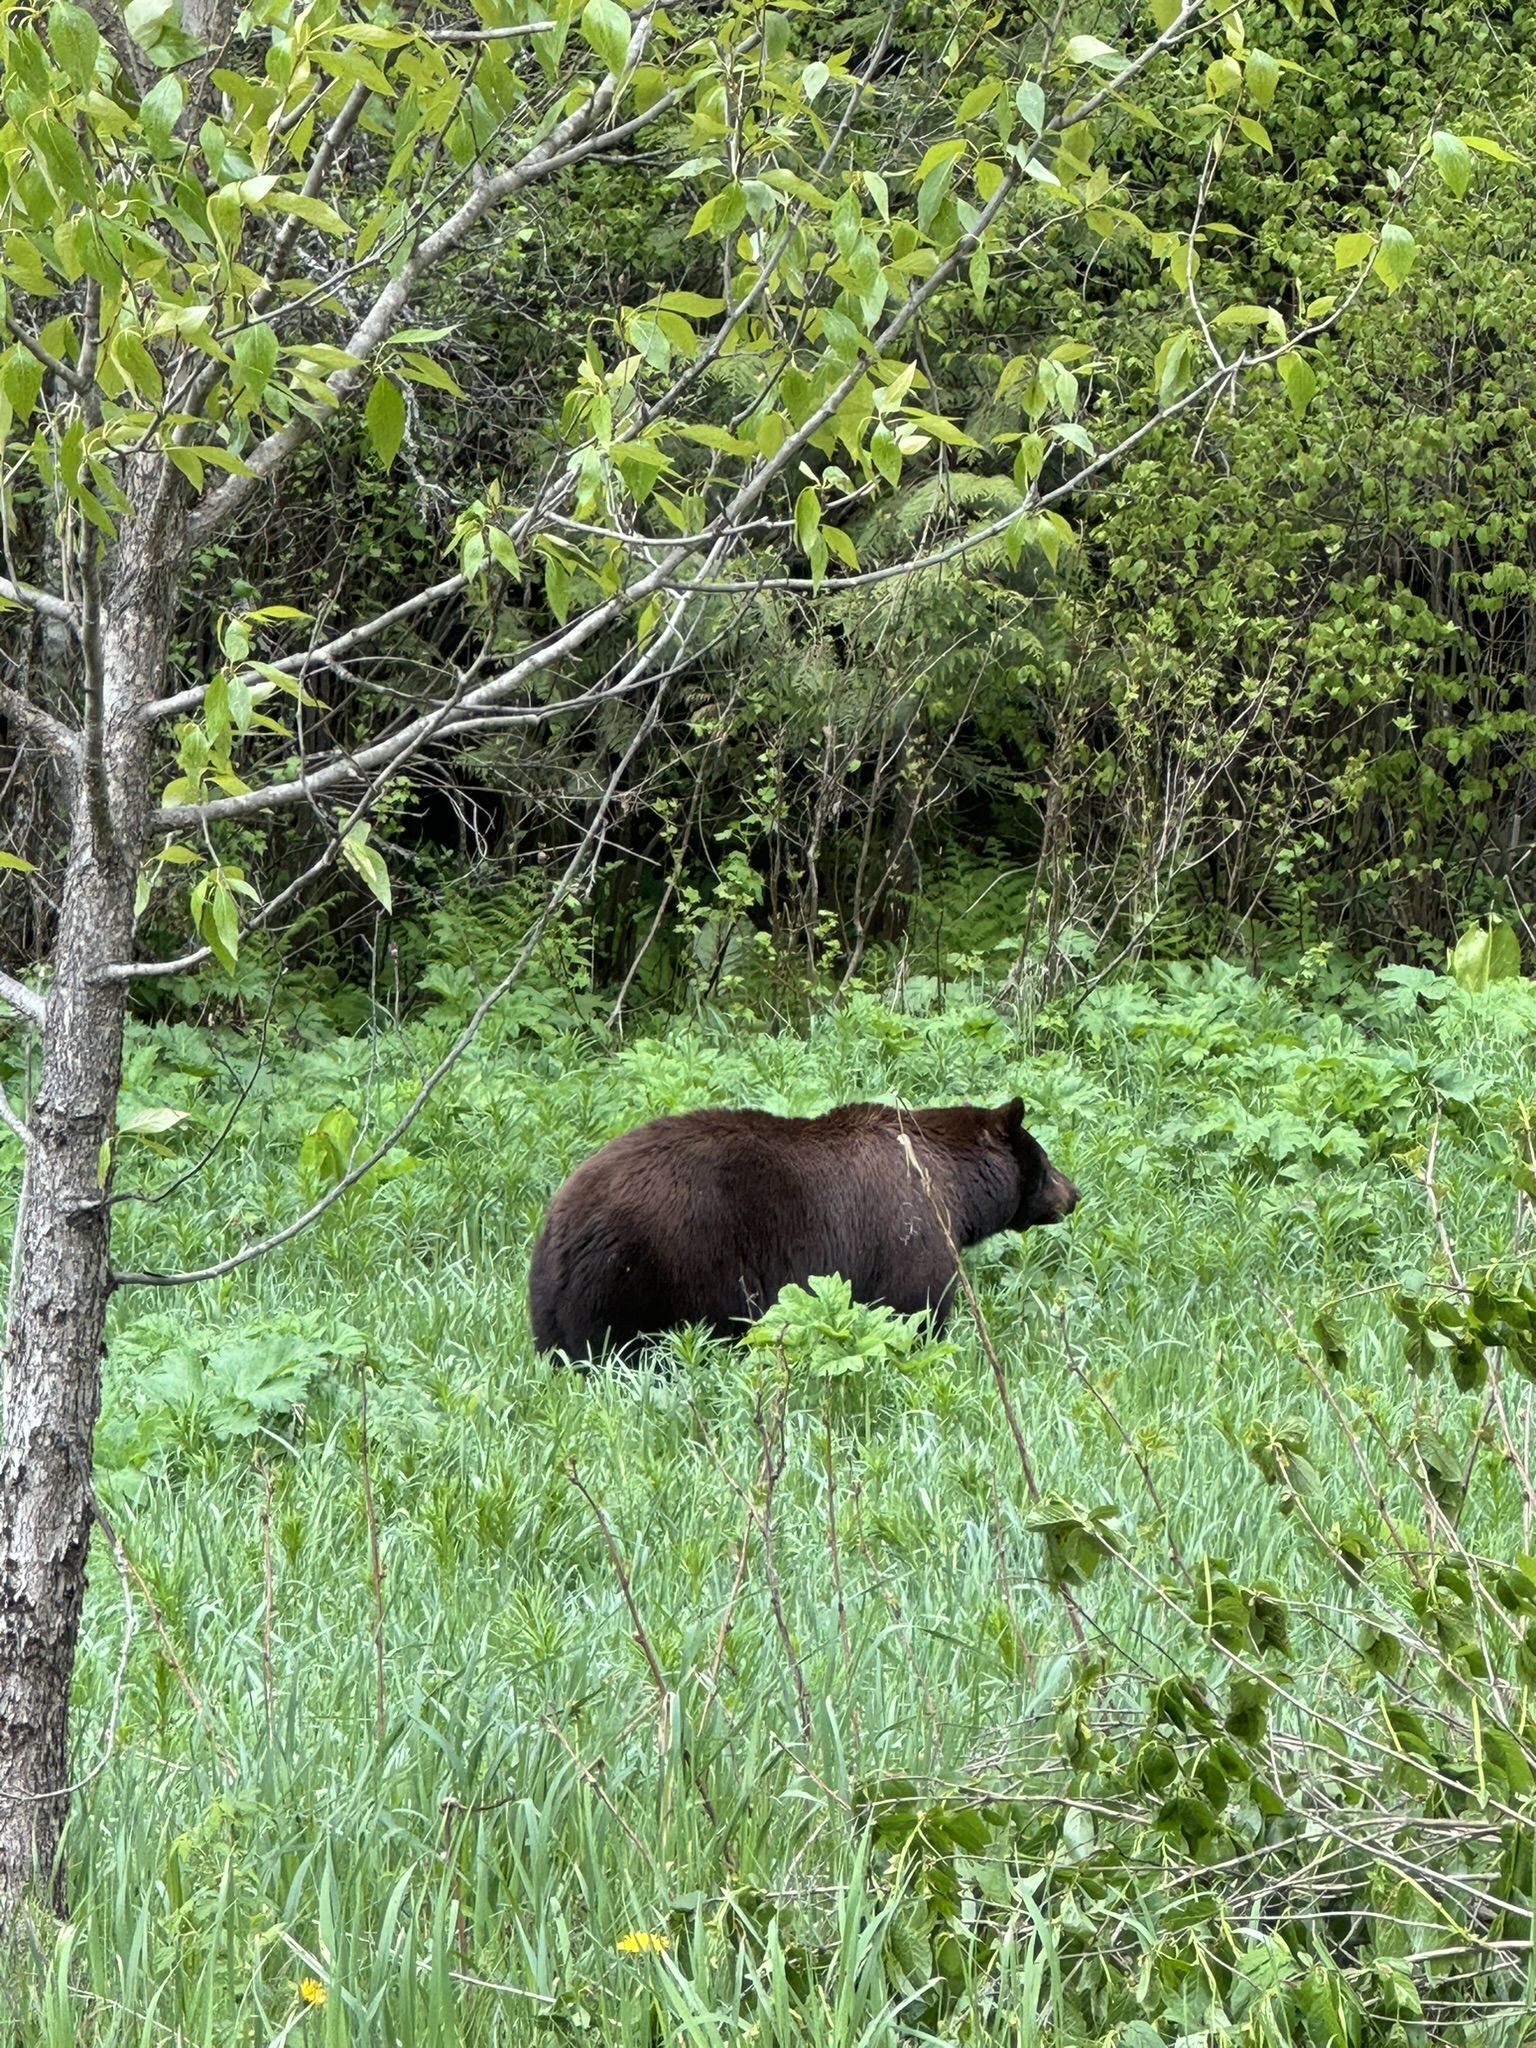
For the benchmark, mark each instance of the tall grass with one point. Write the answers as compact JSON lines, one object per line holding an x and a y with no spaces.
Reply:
{"x":630,"y":1717}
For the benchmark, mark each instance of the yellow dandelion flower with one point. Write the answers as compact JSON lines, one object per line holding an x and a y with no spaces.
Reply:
{"x":641,"y":1944}
{"x":312,"y":1991}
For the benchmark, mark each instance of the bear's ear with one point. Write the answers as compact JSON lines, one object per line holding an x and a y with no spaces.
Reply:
{"x":1011,"y":1117}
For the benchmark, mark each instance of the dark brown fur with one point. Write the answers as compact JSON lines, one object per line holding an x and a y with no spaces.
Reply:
{"x":703,"y":1218}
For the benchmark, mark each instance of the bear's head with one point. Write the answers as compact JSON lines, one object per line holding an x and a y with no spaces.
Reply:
{"x":1045,"y":1195}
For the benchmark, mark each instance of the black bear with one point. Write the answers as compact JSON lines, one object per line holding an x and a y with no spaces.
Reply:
{"x":702,"y":1218}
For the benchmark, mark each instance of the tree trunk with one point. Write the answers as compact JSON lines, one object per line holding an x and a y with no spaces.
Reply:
{"x":61,"y":1272}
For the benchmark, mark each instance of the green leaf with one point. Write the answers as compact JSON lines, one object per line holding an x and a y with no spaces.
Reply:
{"x":1300,"y":381}
{"x":1093,"y":51}
{"x":255,"y":351}
{"x":606,"y":27}
{"x":420,"y":369}
{"x":223,"y":931}
{"x":1485,"y":147}
{"x":1396,"y":256}
{"x":314,"y":212}
{"x":1256,"y":133}
{"x":138,"y":365}
{"x":366,"y":861}
{"x":15,"y":864}
{"x":1453,"y":160}
{"x":159,"y":111}
{"x":841,"y":545}
{"x":807,"y":518}
{"x":152,"y":1121}
{"x":1486,"y":954}
{"x":930,"y":194}
{"x":1263,"y":74}
{"x":384,"y":417}
{"x":885,"y":454}
{"x":1350,"y":251}
{"x":21,"y":379}
{"x":75,"y":40}
{"x":978,"y":99}
{"x":1171,"y":370}
{"x":1030,"y":101}
{"x":692,"y":305}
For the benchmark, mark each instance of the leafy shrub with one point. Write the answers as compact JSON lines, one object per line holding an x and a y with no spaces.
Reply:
{"x":177,"y":1395}
{"x":850,"y":1353}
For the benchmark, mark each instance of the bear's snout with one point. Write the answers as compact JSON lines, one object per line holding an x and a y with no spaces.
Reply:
{"x":1058,"y":1196}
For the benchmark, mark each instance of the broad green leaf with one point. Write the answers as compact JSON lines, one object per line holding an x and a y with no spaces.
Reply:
{"x":885,"y":454}
{"x":419,"y":369}
{"x":941,"y":152}
{"x":1486,"y":954}
{"x":14,"y":863}
{"x":1396,"y":256}
{"x":384,"y":417}
{"x":221,"y":928}
{"x":366,"y":861}
{"x":807,"y":518}
{"x":692,"y":305}
{"x":840,"y":545}
{"x":152,"y":1121}
{"x":159,"y":111}
{"x":313,"y":212}
{"x":1092,"y":50}
{"x":1486,"y":147}
{"x":813,"y":78}
{"x":978,"y":99}
{"x":75,"y":40}
{"x":1030,"y":101}
{"x":1350,"y":251}
{"x":21,"y":378}
{"x":1171,"y":370}
{"x":1453,"y":160}
{"x":722,"y":214}
{"x":606,"y":28}
{"x":1300,"y":381}
{"x":138,"y":365}
{"x":930,"y":194}
{"x":1256,"y":133}
{"x":1263,"y":75}
{"x":255,"y":352}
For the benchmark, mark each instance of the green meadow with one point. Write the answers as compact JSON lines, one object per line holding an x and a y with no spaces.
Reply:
{"x":825,"y":1689}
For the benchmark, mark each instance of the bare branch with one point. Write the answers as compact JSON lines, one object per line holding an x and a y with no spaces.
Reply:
{"x":320,"y":657}
{"x":25,"y":1001}
{"x":563,"y":888}
{"x":488,"y":35}
{"x":50,"y":362}
{"x":447,"y":717}
{"x":37,"y":724}
{"x":42,"y":601}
